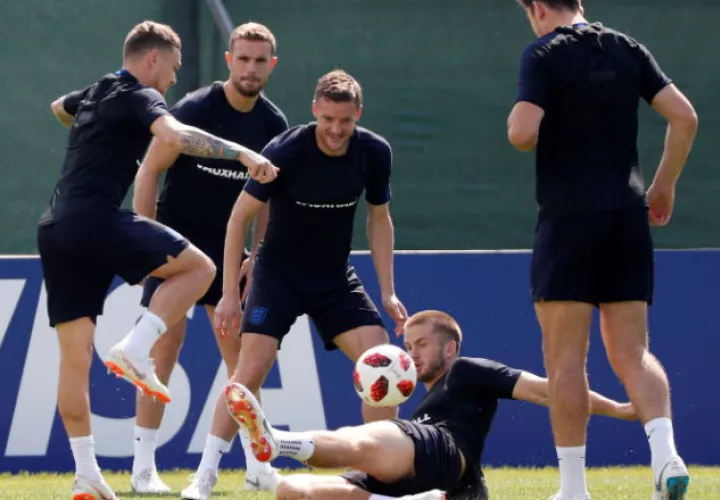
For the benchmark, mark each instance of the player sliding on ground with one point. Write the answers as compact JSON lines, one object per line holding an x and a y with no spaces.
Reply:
{"x":437,"y":451}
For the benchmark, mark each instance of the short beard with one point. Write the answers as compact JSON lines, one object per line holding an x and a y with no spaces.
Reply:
{"x":247,"y":93}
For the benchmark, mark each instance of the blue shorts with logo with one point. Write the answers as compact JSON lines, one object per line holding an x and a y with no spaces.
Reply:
{"x":336,"y":302}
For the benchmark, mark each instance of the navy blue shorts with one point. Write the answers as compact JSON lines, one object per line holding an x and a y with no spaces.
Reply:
{"x":278,"y":295}
{"x":594,"y":258}
{"x":213,"y":249}
{"x":438,"y":465}
{"x":80,"y":257}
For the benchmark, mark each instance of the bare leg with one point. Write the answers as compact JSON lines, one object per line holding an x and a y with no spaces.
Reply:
{"x":624,"y":330}
{"x":306,"y":486}
{"x":76,"y":351}
{"x":355,"y":342}
{"x":187,"y":278}
{"x":566,"y":329}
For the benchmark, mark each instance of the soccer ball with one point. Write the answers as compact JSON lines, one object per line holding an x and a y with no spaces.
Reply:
{"x":384,"y":376}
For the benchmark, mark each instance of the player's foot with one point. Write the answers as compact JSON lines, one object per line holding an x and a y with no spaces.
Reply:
{"x":557,"y":496}
{"x":201,"y":485}
{"x":428,"y":495}
{"x":673,"y":482}
{"x":246,"y":411}
{"x":264,"y":481}
{"x":148,"y":481}
{"x":139,"y":372}
{"x":87,"y":489}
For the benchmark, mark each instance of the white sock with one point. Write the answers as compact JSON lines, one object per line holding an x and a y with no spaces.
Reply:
{"x":143,"y":336}
{"x":145,"y":444}
{"x":571,"y":461}
{"x":83,"y":450}
{"x":215,"y":448}
{"x":297,"y":445}
{"x":375,"y":496}
{"x":254,"y":466}
{"x":662,"y":442}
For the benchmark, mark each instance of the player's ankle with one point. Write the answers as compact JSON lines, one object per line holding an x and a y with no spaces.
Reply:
{"x":662,"y":442}
{"x":297,"y":445}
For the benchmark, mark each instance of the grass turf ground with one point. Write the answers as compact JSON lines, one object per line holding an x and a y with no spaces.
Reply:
{"x":505,"y":484}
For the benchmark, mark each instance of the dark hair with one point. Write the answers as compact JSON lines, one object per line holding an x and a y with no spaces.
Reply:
{"x":150,"y":35}
{"x":571,"y":5}
{"x":339,"y":86}
{"x":254,"y":32}
{"x":442,"y":323}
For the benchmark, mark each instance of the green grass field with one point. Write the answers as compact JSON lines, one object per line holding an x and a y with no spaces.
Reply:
{"x":505,"y":484}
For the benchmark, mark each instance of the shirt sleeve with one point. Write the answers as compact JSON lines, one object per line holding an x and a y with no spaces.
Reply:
{"x":148,"y":105}
{"x":379,"y":166}
{"x":533,"y":79}
{"x":485,"y":378}
{"x":72,"y":100}
{"x":652,"y":79}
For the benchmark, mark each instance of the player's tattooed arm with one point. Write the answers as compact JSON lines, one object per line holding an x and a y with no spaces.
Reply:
{"x":196,"y":142}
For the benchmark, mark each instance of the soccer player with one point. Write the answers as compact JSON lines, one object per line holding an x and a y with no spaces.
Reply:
{"x":85,"y":239}
{"x":579,"y":90}
{"x":196,"y":201}
{"x":302,"y":264}
{"x":438,"y":451}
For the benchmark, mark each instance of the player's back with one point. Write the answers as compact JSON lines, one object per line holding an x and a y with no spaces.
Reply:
{"x":107,"y":140}
{"x":594,"y":78}
{"x":199,"y":194}
{"x":315,"y":197}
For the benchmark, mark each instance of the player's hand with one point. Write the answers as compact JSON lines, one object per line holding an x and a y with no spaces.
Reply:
{"x":227,"y":315}
{"x":397,"y":312}
{"x":661,"y":199}
{"x":246,"y":272}
{"x":626,"y":411}
{"x":260,"y":168}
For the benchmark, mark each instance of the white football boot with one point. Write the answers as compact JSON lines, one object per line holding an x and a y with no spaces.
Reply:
{"x":139,"y":372}
{"x":86,"y":489}
{"x":148,"y":481}
{"x":248,"y":414}
{"x":264,"y":481}
{"x":673,"y":481}
{"x":200,"y":487}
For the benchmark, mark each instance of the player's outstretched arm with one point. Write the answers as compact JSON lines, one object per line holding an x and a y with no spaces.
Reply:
{"x":195,"y":142}
{"x":381,"y":239}
{"x":159,"y":157}
{"x":227,"y":312}
{"x":534,"y":389}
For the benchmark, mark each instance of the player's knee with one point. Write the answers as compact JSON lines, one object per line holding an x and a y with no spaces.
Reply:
{"x":626,"y":359}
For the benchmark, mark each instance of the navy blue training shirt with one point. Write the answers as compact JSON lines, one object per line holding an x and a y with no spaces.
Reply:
{"x":108,"y":138}
{"x":199,"y":193}
{"x":315,"y":196}
{"x":589,"y":80}
{"x":464,"y":402}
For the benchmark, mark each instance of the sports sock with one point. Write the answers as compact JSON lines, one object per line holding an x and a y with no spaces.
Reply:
{"x":215,"y":448}
{"x":83,"y":450}
{"x":297,"y":445}
{"x":254,"y":466}
{"x":142,"y":337}
{"x":661,"y":437}
{"x":571,"y":461}
{"x":145,"y":444}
